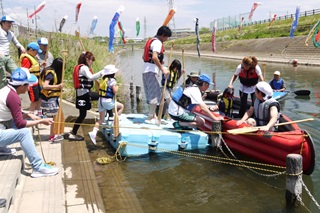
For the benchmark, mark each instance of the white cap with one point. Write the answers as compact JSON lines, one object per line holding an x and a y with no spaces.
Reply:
{"x":43,"y":41}
{"x":110,"y":69}
{"x":6,"y":18}
{"x":276,"y":73}
{"x":266,"y":89}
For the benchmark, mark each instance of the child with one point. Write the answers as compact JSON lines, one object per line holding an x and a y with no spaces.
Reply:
{"x":225,"y":104}
{"x":174,"y":76}
{"x":107,"y":91}
{"x":192,"y":78}
{"x":50,"y":81}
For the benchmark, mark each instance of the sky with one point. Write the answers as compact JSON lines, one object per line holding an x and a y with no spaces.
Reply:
{"x":153,"y":11}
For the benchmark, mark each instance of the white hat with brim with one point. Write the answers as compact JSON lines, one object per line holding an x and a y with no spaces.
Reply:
{"x":277,"y":73}
{"x":21,"y":76}
{"x":110,"y":69}
{"x":194,"y":74}
{"x":266,"y":89}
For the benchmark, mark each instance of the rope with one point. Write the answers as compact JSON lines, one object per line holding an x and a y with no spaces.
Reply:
{"x":117,"y":156}
{"x":49,"y":163}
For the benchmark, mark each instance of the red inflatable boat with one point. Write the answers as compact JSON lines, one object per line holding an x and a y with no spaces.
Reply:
{"x":269,"y":147}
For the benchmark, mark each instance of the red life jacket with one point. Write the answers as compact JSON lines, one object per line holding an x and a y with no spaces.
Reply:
{"x":81,"y":82}
{"x":248,"y":77}
{"x":147,"y":55}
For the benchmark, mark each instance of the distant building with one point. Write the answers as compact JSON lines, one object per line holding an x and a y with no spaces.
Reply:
{"x":183,"y":32}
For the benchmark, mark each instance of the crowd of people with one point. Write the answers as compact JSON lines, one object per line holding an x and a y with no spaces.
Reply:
{"x":40,"y":74}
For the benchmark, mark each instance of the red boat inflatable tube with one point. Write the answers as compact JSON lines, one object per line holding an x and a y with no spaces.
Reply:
{"x":268,"y":147}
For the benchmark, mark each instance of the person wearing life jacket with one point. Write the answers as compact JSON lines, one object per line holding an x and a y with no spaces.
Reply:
{"x":50,"y":81}
{"x":249,"y":74}
{"x":266,"y":110}
{"x":153,"y":60}
{"x":277,"y":83}
{"x":226,"y":102}
{"x":184,"y":100}
{"x":192,"y":78}
{"x":28,"y":60}
{"x":175,"y":73}
{"x":83,"y":78}
{"x":108,"y":89}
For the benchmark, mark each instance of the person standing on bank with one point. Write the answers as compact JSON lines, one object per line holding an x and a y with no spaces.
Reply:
{"x":277,"y":83}
{"x":107,"y":92}
{"x":153,"y":60}
{"x":43,"y":43}
{"x":29,"y":61}
{"x":184,"y":100}
{"x":50,"y":81}
{"x":266,"y":110}
{"x":7,"y":64}
{"x":249,"y":74}
{"x":83,"y":78}
{"x":13,"y":123}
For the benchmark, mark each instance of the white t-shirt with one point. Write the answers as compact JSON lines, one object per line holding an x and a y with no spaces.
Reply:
{"x":84,"y":71}
{"x":156,"y":46}
{"x":196,"y":98}
{"x":244,"y":89}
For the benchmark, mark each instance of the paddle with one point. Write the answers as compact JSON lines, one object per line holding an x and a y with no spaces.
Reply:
{"x":96,"y":83}
{"x":164,"y":90}
{"x":184,"y":73}
{"x":254,"y":129}
{"x":116,"y":127}
{"x":302,"y":92}
{"x":58,"y":125}
{"x":47,"y":52}
{"x":264,"y":71}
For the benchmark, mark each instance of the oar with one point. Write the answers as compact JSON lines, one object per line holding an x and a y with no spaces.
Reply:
{"x":164,"y":90}
{"x":184,"y":73}
{"x":96,"y":83}
{"x":47,"y":52}
{"x":264,"y":71}
{"x":116,"y":127}
{"x":58,"y":125}
{"x":302,"y":92}
{"x":254,"y":129}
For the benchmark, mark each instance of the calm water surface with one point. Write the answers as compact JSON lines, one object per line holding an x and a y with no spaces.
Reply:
{"x":170,"y":183}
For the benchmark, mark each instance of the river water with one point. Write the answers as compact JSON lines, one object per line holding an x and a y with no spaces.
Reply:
{"x":171,"y":183}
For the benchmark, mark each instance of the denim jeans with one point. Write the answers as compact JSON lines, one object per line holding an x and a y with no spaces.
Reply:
{"x":24,"y":136}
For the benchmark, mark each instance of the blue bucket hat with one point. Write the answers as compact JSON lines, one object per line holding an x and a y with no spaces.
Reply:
{"x":205,"y":78}
{"x":34,"y":46}
{"x":22,"y":76}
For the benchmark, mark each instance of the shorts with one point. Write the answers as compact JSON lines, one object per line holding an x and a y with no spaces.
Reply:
{"x":50,"y":107}
{"x":106,"y":104}
{"x":185,"y":117}
{"x":34,"y":92}
{"x":83,"y":101}
{"x":151,"y":88}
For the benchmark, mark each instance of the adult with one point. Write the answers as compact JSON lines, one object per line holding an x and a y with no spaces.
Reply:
{"x":107,"y":92}
{"x":192,"y":78}
{"x":50,"y":81}
{"x":153,"y":60}
{"x":13,"y":123}
{"x":249,"y":74}
{"x":83,"y":78}
{"x":41,"y":57}
{"x":277,"y":83}
{"x":265,"y":109}
{"x":7,"y":36}
{"x":183,"y":102}
{"x":29,"y":61}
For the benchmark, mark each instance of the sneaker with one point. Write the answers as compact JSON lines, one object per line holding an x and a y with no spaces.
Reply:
{"x":3,"y":202}
{"x":7,"y":151}
{"x":73,"y":137}
{"x":56,"y":138}
{"x":44,"y":171}
{"x":111,"y":118}
{"x":92,"y":137}
{"x":176,"y":125}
